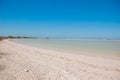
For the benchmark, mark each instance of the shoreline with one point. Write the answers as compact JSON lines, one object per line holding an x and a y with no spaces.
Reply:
{"x":27,"y":62}
{"x":81,"y":50}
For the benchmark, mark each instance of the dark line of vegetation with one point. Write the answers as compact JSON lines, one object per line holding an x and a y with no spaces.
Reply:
{"x":15,"y":37}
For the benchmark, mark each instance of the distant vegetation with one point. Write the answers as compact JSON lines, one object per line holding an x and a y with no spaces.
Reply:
{"x":13,"y":37}
{"x":10,"y":37}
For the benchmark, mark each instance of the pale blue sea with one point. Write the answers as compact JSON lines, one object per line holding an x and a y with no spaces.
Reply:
{"x":100,"y":48}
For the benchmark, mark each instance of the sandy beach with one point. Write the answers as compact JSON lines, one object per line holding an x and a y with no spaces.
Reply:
{"x":22,"y":62}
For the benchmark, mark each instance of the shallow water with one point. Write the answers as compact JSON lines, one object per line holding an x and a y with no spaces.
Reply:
{"x":102,"y":48}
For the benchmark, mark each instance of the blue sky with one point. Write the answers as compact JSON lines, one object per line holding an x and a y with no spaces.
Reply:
{"x":60,"y":18}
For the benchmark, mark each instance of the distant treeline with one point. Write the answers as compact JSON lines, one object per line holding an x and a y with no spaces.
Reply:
{"x":14,"y":37}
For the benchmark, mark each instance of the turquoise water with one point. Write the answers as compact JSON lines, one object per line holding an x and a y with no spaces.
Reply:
{"x":104,"y":48}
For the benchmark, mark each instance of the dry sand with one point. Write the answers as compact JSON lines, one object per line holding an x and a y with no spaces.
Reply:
{"x":22,"y":62}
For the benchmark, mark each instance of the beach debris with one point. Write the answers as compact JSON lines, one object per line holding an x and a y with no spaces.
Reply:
{"x":26,"y":70}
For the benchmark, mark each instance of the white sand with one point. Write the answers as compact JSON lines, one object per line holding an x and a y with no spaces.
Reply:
{"x":21,"y":62}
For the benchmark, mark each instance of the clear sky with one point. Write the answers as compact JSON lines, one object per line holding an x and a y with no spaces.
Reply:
{"x":60,"y":18}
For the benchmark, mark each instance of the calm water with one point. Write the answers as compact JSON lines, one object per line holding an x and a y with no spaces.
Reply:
{"x":102,"y":48}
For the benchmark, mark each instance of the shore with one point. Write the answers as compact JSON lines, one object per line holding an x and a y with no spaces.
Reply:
{"x":22,"y":62}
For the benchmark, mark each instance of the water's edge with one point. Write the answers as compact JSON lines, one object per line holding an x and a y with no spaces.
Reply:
{"x":102,"y":48}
